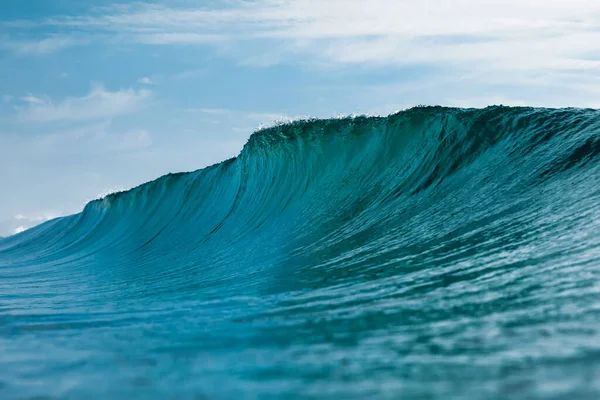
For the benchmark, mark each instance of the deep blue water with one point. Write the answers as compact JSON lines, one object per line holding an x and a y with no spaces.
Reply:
{"x":433,"y":254}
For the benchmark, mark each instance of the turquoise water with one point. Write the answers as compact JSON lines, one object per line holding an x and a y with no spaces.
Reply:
{"x":434,"y":253}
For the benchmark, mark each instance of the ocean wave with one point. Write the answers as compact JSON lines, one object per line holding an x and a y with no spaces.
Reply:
{"x":434,"y":252}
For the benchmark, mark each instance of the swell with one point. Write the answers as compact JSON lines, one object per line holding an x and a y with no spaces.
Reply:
{"x":326,"y":172}
{"x":437,"y":252}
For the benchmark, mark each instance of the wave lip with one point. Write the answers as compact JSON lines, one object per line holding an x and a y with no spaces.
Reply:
{"x":435,"y":252}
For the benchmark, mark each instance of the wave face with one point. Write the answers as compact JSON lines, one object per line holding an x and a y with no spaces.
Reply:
{"x":433,"y":253}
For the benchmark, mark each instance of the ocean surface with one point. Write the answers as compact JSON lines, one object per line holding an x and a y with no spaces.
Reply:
{"x":437,"y":253}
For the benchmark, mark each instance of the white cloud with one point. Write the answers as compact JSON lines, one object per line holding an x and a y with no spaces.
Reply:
{"x":37,"y":218}
{"x":535,"y":43}
{"x":506,"y":35}
{"x":29,"y":221}
{"x":447,"y":21}
{"x":42,"y":46}
{"x":97,"y":104}
{"x":177,"y":38}
{"x":146,"y":81}
{"x":32,"y":99}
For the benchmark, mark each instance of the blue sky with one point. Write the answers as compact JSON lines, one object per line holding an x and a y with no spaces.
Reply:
{"x":102,"y":95}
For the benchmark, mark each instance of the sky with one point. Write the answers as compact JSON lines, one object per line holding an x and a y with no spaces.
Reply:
{"x":100,"y":95}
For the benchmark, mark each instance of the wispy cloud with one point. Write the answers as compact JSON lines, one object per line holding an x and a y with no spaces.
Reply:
{"x":32,"y":100}
{"x":46,"y":216}
{"x":92,"y":138}
{"x":146,"y":81}
{"x":25,"y":222}
{"x":97,"y":104}
{"x":42,"y":46}
{"x":255,"y":117}
{"x":514,"y":42}
{"x":521,"y":35}
{"x":165,"y":38}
